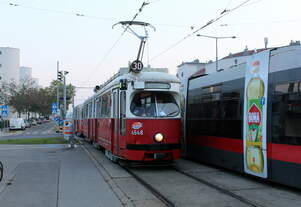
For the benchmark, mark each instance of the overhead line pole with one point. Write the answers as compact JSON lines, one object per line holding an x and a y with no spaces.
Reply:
{"x":65,"y":94}
{"x":65,"y":105}
{"x":57,"y":87}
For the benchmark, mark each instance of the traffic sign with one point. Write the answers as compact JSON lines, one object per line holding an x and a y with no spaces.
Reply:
{"x":54,"y":108}
{"x":4,"y":111}
{"x":136,"y":66}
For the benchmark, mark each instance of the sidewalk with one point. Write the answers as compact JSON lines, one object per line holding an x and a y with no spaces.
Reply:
{"x":51,"y":176}
{"x":5,"y":132}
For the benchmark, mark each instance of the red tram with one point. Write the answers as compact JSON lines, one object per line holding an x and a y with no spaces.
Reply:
{"x":134,"y":117}
{"x":248,"y":118}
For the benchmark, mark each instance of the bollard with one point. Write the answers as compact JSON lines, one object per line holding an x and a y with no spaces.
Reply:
{"x":68,"y":132}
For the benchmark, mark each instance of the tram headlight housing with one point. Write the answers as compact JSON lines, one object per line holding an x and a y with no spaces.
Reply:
{"x":158,"y":137}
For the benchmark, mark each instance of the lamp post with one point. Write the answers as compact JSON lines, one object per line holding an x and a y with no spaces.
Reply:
{"x":216,"y":50}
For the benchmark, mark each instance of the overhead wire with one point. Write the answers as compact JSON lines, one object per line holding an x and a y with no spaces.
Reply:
{"x":115,"y":43}
{"x":78,"y":14}
{"x":135,"y":16}
{"x":221,"y":15}
{"x":263,"y":22}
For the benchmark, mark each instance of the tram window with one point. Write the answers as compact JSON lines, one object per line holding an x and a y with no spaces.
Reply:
{"x":154,"y":104}
{"x":286,"y":113}
{"x":90,"y":110}
{"x":106,"y":105}
{"x":292,"y":87}
{"x":122,"y":113}
{"x":215,"y":110}
{"x":166,"y":105}
{"x":98,"y":108}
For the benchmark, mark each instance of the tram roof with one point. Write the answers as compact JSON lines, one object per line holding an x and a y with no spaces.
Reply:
{"x":149,"y":76}
{"x":281,"y":58}
{"x":144,"y":77}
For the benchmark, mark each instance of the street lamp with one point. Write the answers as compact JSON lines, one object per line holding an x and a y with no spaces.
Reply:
{"x":216,"y":51}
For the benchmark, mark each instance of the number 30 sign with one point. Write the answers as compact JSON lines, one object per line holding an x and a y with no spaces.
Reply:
{"x":136,"y":66}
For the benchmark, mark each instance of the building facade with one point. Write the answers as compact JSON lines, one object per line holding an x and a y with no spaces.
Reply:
{"x":9,"y":64}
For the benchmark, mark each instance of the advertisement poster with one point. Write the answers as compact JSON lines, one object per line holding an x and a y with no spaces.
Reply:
{"x":255,"y":114}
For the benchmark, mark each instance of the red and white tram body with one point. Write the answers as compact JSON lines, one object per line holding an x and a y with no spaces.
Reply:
{"x":134,"y":117}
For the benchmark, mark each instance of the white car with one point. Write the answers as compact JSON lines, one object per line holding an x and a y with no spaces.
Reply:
{"x":17,"y":123}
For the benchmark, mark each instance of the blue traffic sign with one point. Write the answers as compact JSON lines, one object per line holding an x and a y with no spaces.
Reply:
{"x":4,"y":111}
{"x":54,"y":108}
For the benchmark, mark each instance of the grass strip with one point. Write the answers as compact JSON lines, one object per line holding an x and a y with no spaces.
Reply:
{"x":50,"y":140}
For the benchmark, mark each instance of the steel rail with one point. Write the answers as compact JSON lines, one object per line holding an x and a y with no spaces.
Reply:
{"x":220,"y":189}
{"x":155,"y":192}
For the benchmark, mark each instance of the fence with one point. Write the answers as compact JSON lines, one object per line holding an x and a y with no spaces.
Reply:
{"x":4,"y":124}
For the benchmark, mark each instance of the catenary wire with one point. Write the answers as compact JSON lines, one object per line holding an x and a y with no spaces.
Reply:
{"x":115,"y":43}
{"x":78,"y":14}
{"x":223,"y":13}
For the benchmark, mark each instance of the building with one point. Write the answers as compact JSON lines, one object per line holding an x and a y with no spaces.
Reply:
{"x":25,"y":74}
{"x":10,"y":70}
{"x":35,"y":83}
{"x":26,"y":77}
{"x":184,"y":71}
{"x":9,"y":64}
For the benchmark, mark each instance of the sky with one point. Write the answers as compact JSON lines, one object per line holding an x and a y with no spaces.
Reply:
{"x":47,"y":31}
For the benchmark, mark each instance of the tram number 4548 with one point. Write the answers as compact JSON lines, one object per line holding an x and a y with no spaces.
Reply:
{"x":136,"y":66}
{"x":137,"y":132}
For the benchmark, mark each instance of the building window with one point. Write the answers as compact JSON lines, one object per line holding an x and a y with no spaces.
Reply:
{"x":0,"y":52}
{"x":0,"y":65}
{"x":182,"y":74}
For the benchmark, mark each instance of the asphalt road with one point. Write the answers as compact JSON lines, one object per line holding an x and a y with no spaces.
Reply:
{"x":40,"y":131}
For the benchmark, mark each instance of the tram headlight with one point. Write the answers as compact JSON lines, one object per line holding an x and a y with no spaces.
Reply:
{"x":158,"y":137}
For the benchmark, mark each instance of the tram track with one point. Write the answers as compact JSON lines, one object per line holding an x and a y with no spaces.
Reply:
{"x":170,"y":202}
{"x":155,"y":192}
{"x":220,"y":189}
{"x":158,"y":180}
{"x":151,"y":189}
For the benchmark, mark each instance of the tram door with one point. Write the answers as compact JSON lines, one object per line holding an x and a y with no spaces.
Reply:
{"x":116,"y":121}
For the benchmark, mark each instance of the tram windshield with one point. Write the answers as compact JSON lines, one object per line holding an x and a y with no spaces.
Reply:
{"x":154,"y":104}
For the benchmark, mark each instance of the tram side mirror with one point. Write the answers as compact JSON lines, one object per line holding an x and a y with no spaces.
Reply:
{"x":123,"y":84}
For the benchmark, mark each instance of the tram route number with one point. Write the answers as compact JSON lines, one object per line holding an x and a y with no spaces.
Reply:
{"x":136,"y":66}
{"x":137,"y":132}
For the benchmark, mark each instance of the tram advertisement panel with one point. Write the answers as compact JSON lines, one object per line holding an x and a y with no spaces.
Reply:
{"x":255,"y":114}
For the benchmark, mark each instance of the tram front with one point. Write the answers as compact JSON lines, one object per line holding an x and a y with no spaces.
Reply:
{"x":154,"y":119}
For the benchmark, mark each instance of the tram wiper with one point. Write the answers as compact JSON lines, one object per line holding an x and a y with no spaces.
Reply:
{"x":169,"y":114}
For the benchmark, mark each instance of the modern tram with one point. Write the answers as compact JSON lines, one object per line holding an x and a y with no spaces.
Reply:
{"x":248,"y":118}
{"x":134,"y":117}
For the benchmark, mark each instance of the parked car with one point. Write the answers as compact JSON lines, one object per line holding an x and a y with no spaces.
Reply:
{"x":27,"y":124}
{"x":33,"y":122}
{"x":17,"y":123}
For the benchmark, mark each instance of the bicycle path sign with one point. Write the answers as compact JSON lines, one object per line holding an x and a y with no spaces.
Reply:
{"x":4,"y":110}
{"x":54,"y":108}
